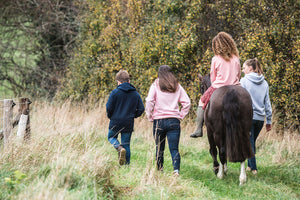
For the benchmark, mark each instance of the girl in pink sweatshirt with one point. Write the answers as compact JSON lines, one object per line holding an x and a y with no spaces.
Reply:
{"x":162,"y":107}
{"x":225,"y":70}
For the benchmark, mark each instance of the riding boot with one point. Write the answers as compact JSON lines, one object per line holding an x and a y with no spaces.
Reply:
{"x":122,"y":155}
{"x":200,"y":119}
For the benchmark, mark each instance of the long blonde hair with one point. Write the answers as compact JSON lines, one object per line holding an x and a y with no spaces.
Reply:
{"x":224,"y":45}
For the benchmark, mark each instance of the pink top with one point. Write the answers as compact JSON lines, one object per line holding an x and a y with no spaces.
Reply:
{"x":224,"y":72}
{"x":161,"y":105}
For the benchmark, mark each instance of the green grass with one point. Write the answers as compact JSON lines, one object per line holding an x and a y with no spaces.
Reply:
{"x":197,"y":180}
{"x":69,"y":157}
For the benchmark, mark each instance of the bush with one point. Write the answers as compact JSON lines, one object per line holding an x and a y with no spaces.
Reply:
{"x":140,"y":36}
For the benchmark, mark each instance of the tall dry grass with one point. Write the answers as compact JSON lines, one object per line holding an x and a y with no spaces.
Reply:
{"x":286,"y":146}
{"x":63,"y":152}
{"x":69,"y":157}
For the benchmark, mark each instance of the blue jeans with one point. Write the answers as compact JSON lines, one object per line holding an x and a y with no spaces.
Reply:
{"x":162,"y":129}
{"x":125,"y":142}
{"x":255,"y":130}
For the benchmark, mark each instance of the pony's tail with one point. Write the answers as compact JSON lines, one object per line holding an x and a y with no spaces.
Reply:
{"x":231,"y":116}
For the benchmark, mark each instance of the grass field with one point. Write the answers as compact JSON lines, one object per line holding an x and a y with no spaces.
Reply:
{"x":69,"y":157}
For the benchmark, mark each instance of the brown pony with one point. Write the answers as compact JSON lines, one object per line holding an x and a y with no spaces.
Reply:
{"x":228,"y":118}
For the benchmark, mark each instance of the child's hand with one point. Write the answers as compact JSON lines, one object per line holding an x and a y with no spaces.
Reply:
{"x":268,"y":127}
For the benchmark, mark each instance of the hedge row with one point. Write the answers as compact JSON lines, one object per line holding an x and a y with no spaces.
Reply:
{"x":140,"y":35}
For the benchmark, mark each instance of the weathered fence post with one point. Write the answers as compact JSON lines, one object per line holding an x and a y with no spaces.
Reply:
{"x":22,"y":118}
{"x":7,"y":119}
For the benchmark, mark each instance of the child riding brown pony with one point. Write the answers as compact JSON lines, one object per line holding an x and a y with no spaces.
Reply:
{"x":228,"y":118}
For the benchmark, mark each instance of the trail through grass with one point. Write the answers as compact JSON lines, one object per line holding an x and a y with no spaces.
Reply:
{"x":69,"y":157}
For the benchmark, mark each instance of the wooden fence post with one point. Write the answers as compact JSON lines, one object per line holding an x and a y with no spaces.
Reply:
{"x":22,"y":118}
{"x":7,"y":119}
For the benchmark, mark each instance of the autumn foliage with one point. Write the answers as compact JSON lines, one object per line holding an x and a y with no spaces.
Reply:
{"x":140,"y":35}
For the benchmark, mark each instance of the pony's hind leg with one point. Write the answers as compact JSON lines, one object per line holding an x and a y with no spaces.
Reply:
{"x":213,"y":152}
{"x":220,"y":174}
{"x":223,"y":166}
{"x":243,"y":176}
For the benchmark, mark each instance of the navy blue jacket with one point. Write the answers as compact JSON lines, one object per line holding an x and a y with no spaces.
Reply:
{"x":123,"y":105}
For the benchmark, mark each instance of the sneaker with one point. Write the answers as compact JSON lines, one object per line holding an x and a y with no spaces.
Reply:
{"x":248,"y":169}
{"x":176,"y":173}
{"x":254,"y":172}
{"x":122,"y":155}
{"x":161,"y":169}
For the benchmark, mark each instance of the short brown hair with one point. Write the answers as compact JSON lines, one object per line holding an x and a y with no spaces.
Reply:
{"x":122,"y":76}
{"x":224,"y":45}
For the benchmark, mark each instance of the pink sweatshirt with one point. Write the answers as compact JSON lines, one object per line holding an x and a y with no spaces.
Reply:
{"x":161,"y":105}
{"x":224,"y":72}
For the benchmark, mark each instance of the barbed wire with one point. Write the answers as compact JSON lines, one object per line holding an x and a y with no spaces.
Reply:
{"x":10,"y":99}
{"x":6,"y":106}
{"x":15,"y":102}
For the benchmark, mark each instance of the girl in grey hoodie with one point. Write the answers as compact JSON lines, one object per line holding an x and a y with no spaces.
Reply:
{"x":254,"y":82}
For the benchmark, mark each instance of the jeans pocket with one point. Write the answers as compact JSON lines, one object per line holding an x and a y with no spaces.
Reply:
{"x":174,"y":124}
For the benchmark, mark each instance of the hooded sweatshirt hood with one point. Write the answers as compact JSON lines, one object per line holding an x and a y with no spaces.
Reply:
{"x":126,"y":87}
{"x":255,"y":78}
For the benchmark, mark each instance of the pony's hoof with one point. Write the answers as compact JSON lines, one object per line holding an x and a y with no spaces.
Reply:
{"x":242,"y":180}
{"x":216,"y":170}
{"x":242,"y":183}
{"x":220,"y":175}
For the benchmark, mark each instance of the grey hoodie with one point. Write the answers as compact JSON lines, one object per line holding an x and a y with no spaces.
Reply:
{"x":258,"y":88}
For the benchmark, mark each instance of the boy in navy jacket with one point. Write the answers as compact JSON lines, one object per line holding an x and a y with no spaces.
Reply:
{"x":123,"y":105}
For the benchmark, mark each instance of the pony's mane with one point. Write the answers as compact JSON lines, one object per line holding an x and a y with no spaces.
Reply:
{"x":205,"y":83}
